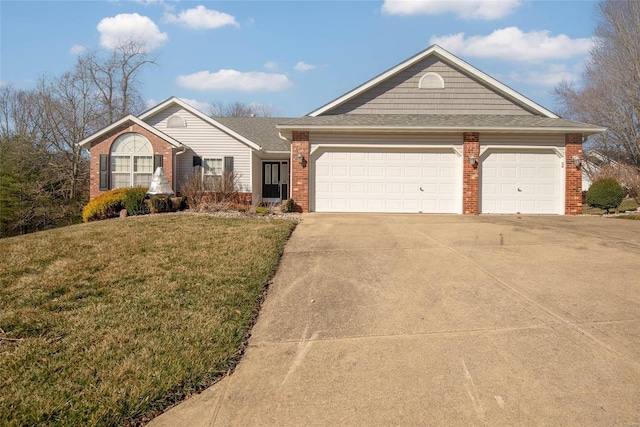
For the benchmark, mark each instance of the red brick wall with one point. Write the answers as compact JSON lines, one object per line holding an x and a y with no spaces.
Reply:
{"x":300,"y":172}
{"x":573,"y":187}
{"x":103,"y":146}
{"x":470,"y":183}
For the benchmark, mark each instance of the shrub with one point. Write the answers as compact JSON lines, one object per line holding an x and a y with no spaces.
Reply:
{"x":160,"y":204}
{"x":134,"y":201}
{"x":605,"y":194}
{"x":627,"y":175}
{"x":288,"y":206}
{"x":106,"y":205}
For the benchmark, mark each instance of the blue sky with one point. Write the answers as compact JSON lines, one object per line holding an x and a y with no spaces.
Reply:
{"x":298,"y":55}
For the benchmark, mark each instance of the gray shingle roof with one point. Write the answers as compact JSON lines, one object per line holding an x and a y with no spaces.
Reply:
{"x":435,"y":122}
{"x":260,"y":130}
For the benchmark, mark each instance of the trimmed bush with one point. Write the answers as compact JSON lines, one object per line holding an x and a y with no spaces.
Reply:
{"x":160,"y":204}
{"x":106,"y":205}
{"x":288,"y":206}
{"x":605,"y":194}
{"x":134,"y":201}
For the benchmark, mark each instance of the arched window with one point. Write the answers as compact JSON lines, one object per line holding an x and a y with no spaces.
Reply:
{"x":131,"y":161}
{"x":176,"y":121}
{"x":431,"y":81}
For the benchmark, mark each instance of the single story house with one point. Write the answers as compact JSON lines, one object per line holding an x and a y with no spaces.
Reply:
{"x":432,"y":135}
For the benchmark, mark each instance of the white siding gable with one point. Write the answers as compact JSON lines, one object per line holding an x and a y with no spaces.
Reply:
{"x":204,"y":140}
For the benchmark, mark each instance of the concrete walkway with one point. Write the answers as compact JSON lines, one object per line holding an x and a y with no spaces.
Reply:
{"x":441,"y":320}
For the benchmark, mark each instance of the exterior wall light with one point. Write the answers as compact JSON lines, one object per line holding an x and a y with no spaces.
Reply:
{"x":473,"y":161}
{"x":577,"y":161}
{"x":300,"y":158}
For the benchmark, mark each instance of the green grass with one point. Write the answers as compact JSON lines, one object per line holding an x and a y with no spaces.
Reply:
{"x":109,"y":322}
{"x":626,"y":205}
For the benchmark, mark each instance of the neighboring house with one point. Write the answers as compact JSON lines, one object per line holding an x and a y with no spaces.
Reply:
{"x":591,"y":164}
{"x":432,"y":135}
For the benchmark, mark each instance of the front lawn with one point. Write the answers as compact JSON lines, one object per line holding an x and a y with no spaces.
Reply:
{"x":626,"y":205}
{"x":107,"y":323}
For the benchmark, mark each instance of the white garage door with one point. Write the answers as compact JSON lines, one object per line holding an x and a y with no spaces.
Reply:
{"x":387,"y":181}
{"x":521,"y":182}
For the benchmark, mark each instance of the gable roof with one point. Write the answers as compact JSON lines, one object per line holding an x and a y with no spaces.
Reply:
{"x":177,"y":101}
{"x":130,"y":118}
{"x":261,"y":130}
{"x":453,"y":60}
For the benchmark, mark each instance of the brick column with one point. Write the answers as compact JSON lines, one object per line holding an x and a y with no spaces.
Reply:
{"x":470,"y":184}
{"x":300,"y":171}
{"x":573,"y":178}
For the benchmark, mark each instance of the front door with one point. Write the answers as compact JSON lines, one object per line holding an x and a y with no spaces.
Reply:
{"x":275,"y":181}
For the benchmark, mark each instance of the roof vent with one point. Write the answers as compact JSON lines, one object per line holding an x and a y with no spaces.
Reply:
{"x":431,"y":81}
{"x":176,"y":121}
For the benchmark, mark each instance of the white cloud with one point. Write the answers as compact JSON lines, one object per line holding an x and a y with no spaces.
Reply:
{"x":199,"y":105}
{"x":550,"y":77}
{"x":468,"y":9}
{"x":130,"y":26}
{"x":77,"y":49}
{"x":512,"y":44}
{"x":235,"y":80}
{"x":271,"y":65}
{"x":303,"y":66}
{"x":201,"y":18}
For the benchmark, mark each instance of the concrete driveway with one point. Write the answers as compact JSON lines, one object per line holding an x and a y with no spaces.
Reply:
{"x":442,"y":320}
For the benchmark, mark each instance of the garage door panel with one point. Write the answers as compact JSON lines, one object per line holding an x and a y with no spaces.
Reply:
{"x":387,"y":181}
{"x":521,"y":182}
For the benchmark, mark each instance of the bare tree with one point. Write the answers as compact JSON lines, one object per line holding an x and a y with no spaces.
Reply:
{"x":61,"y":111}
{"x":610,"y":90}
{"x":240,"y":109}
{"x":117,"y":78}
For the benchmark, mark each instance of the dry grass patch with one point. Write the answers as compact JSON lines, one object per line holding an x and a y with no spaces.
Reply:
{"x":106,"y":323}
{"x":627,"y":204}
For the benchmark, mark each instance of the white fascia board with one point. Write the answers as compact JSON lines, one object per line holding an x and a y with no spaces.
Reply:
{"x":201,"y":115}
{"x":438,"y":51}
{"x":444,"y":129}
{"x":134,"y":119}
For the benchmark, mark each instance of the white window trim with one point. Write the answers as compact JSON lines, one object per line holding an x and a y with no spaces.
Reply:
{"x":204,"y":166}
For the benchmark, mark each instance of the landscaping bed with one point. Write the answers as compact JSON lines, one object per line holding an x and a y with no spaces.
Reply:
{"x":107,"y":323}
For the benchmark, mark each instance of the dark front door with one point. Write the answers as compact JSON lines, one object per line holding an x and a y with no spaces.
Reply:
{"x":271,"y":180}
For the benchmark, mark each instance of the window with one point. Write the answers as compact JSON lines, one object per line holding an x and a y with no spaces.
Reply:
{"x":211,"y":170}
{"x":131,"y":161}
{"x":431,"y":81}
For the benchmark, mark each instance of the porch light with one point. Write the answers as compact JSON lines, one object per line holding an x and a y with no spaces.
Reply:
{"x":577,"y":161}
{"x":300,"y":158}
{"x":473,"y":160}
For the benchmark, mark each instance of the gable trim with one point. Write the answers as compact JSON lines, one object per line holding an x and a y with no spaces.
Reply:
{"x":445,"y":55}
{"x":177,"y":101}
{"x":130,"y":118}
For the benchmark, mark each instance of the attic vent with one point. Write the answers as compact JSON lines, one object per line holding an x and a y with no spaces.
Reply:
{"x":176,"y":121}
{"x":431,"y":81}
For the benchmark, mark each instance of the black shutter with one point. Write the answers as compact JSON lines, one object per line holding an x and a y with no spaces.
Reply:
{"x":104,"y":172}
{"x":157,"y":161}
{"x":197,"y":161}
{"x":228,"y":164}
